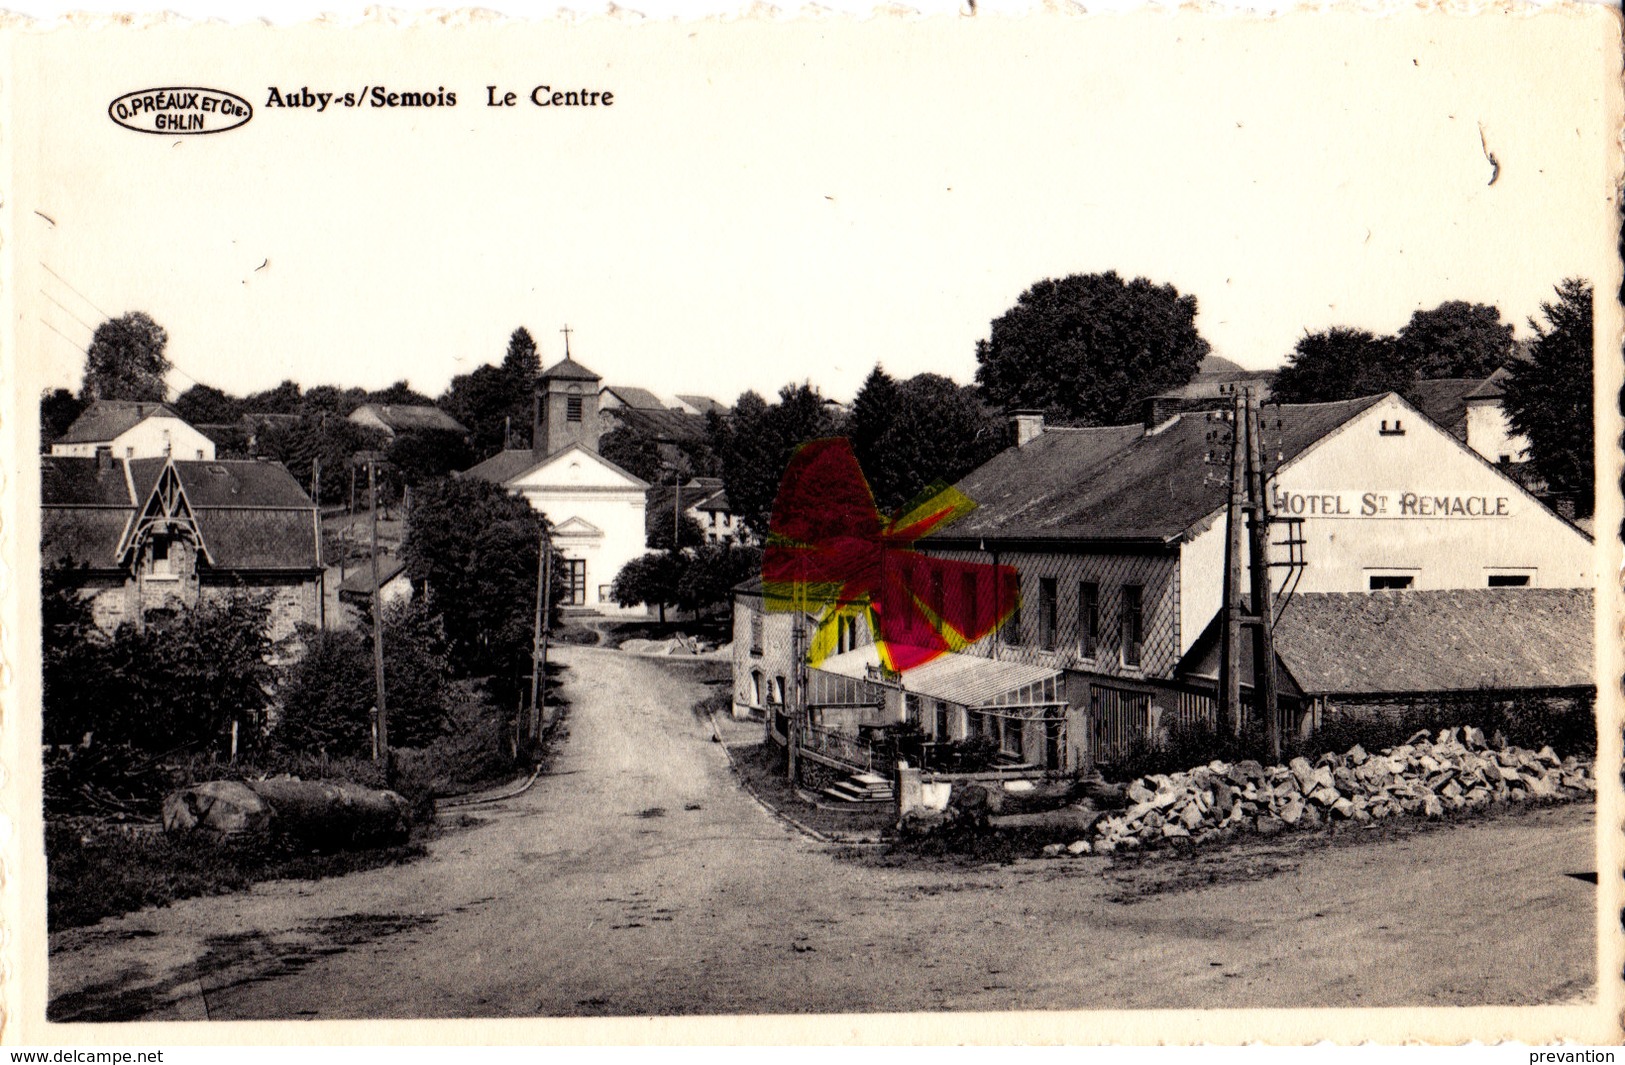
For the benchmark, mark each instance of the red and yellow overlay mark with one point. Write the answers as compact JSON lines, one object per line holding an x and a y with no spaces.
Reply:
{"x":832,"y":553}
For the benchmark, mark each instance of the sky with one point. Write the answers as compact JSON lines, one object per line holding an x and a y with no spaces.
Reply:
{"x":770,"y":203}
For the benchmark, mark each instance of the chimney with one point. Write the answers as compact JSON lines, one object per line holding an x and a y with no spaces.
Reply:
{"x":1029,"y":425}
{"x":104,"y":458}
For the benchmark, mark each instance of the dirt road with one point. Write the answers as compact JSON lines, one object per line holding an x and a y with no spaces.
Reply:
{"x":638,"y":879}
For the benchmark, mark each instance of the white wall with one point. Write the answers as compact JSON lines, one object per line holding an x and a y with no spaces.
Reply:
{"x":1489,"y":432}
{"x":1370,"y":502}
{"x":576,"y":484}
{"x":149,"y":439}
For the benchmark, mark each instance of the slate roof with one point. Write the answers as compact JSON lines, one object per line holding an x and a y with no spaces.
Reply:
{"x":360,"y":582}
{"x":1444,"y":400}
{"x":504,"y":466}
{"x":405,"y":418}
{"x":1118,"y":483}
{"x":1491,"y":386}
{"x":638,"y":398}
{"x":106,"y":419}
{"x":666,"y":426}
{"x":567,"y":369}
{"x":1420,"y":641}
{"x":1214,"y":384}
{"x":252,"y":515}
{"x":703,"y":404}
{"x":717,"y":501}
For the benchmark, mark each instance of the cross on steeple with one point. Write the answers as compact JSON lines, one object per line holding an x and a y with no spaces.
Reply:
{"x":567,"y":331}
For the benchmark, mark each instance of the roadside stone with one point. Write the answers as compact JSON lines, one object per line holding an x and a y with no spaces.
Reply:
{"x":1173,"y":830}
{"x":1343,"y":808}
{"x":1292,"y":810}
{"x":1053,"y":850}
{"x":1301,"y":771}
{"x":1270,"y":826}
{"x":1311,"y":817}
{"x":1132,"y":843}
{"x":1321,"y":778}
{"x":1139,"y":793}
{"x":1153,"y":820}
{"x":1107,"y":846}
{"x":1191,"y":817}
{"x":1431,"y":806}
{"x":1224,"y":799}
{"x":1357,"y":755}
{"x":1078,"y":847}
{"x":1325,"y":796}
{"x":1473,"y":737}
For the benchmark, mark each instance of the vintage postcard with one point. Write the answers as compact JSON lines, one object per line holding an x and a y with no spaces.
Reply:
{"x":1065,"y":528}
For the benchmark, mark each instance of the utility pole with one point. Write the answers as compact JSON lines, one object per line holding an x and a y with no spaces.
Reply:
{"x":1230,"y":636}
{"x":539,"y":636}
{"x":1264,"y":696}
{"x":316,"y":481}
{"x":381,"y":750}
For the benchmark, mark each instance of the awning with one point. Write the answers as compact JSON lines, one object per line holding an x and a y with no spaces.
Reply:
{"x":964,"y":679}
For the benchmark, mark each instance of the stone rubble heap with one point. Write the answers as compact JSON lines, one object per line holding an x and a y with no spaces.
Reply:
{"x":1454,"y":771}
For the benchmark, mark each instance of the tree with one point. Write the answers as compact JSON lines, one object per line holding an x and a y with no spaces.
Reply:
{"x":483,"y":401}
{"x":634,"y":452}
{"x":713,"y":570}
{"x":1340,"y":363}
{"x":206,"y":405}
{"x":939,"y":431}
{"x":335,"y":441}
{"x":651,"y":578}
{"x":331,"y":399}
{"x":471,"y":550}
{"x":754,"y":443}
{"x":76,"y":677}
{"x":874,"y":409}
{"x":126,"y":360}
{"x":183,"y":679}
{"x":1455,"y":339}
{"x":657,"y":526}
{"x":400,"y":394}
{"x":58,"y":409}
{"x":420,"y":455}
{"x":522,"y":363}
{"x":1549,"y":399}
{"x":329,"y":694}
{"x":285,"y":398}
{"x":1086,"y":349}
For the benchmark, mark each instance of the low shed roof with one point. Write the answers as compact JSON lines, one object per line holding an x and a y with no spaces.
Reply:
{"x":964,"y":679}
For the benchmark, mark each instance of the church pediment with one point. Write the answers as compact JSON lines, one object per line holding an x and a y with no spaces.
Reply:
{"x":576,"y":529}
{"x":576,"y":467}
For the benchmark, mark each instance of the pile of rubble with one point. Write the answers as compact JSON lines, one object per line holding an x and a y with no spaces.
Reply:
{"x":1455,"y":771}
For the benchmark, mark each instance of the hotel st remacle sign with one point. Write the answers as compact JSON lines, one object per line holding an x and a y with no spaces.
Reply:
{"x":1355,"y":504}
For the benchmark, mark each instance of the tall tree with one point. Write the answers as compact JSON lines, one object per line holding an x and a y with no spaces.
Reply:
{"x":333,"y":400}
{"x":1340,"y":363}
{"x":1455,"y":339}
{"x":1549,"y":398}
{"x":77,"y":681}
{"x":483,"y":401}
{"x":874,"y":409}
{"x":472,"y":549}
{"x":400,"y":394}
{"x":420,"y":455}
{"x":58,"y":408}
{"x":126,"y":360}
{"x":939,"y":431}
{"x":207,"y":405}
{"x":334,"y":440}
{"x":1086,"y":349}
{"x":285,"y":398}
{"x":651,"y":578}
{"x":523,"y":363}
{"x":754,"y":443}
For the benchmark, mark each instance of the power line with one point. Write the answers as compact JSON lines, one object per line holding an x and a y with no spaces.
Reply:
{"x":75,"y":291}
{"x":66,"y":311}
{"x":93,"y":306}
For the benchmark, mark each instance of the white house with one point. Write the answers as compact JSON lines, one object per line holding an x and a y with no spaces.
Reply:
{"x":125,"y":429}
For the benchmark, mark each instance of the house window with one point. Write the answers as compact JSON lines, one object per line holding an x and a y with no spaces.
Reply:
{"x":778,"y":690}
{"x":1509,"y":580}
{"x":129,"y":452}
{"x":941,"y":730}
{"x":1046,"y":613}
{"x":572,"y":409}
{"x":575,"y":582}
{"x":1133,"y":624}
{"x":1390,"y":581}
{"x":1010,"y":737}
{"x":1088,"y":618}
{"x":163,"y":563}
{"x":756,"y":634}
{"x":604,"y":595}
{"x":200,"y":455}
{"x":756,"y":687}
{"x":1011,"y":633}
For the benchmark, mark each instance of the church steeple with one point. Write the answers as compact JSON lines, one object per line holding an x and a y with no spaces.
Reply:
{"x":566,"y":409}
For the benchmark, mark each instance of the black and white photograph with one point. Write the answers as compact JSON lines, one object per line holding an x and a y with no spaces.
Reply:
{"x":1091,"y":528}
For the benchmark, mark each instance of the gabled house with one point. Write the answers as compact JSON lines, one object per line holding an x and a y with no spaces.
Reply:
{"x":161,"y":533}
{"x":1118,"y":537}
{"x":125,"y":429}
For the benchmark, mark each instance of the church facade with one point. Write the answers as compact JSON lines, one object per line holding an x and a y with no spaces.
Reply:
{"x":596,"y":508}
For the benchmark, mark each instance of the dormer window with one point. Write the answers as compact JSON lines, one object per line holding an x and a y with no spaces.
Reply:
{"x":1398,"y":428}
{"x":163,"y":560}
